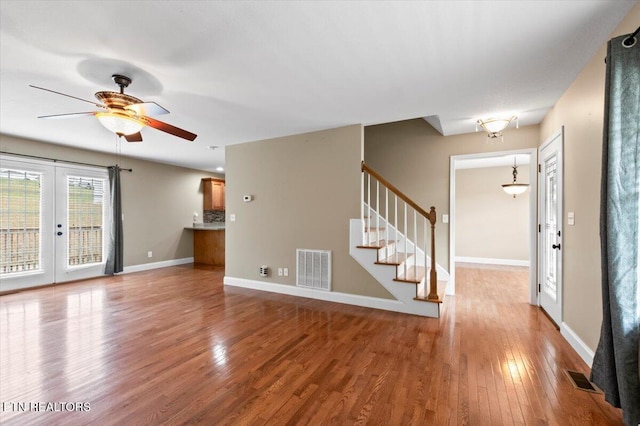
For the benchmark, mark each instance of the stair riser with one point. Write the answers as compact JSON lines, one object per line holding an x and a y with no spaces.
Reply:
{"x":374,"y":236}
{"x":420,"y":288}
{"x":386,"y":251}
{"x":409,"y":262}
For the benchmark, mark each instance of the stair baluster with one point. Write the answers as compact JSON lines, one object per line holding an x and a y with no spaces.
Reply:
{"x":415,"y":243}
{"x":370,"y":212}
{"x":395,"y":229}
{"x":404,"y":232}
{"x":386,"y":228}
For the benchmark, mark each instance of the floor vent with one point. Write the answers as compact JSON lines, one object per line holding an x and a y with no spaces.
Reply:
{"x":314,"y":269}
{"x":580,"y":381}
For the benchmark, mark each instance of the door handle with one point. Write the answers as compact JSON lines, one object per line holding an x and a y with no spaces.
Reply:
{"x":556,"y":246}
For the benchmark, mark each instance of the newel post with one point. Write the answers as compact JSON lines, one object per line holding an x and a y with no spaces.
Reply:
{"x":433,"y":276}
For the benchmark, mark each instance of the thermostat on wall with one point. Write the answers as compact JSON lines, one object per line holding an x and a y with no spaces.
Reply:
{"x":247,"y":198}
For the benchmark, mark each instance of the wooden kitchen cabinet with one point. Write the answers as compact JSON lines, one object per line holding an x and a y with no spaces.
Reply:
{"x":213,"y":190}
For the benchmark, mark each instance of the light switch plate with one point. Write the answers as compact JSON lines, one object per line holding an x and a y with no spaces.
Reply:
{"x":445,"y":218}
{"x":232,"y":217}
{"x":571,"y":218}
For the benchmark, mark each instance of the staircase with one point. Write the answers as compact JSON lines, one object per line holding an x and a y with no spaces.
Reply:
{"x":394,"y":240}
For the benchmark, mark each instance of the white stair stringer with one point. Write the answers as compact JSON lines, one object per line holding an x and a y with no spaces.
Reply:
{"x":384,"y":274}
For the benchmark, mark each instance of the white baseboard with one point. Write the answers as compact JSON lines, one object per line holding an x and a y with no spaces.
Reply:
{"x":577,"y":344}
{"x":490,"y":261}
{"x":327,"y":296}
{"x":156,"y":265}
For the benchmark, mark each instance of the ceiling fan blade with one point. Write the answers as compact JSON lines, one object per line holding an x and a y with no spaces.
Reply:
{"x":136,"y":137}
{"x":168,"y":128}
{"x":71,"y":115}
{"x":69,"y":96}
{"x":147,"y":108}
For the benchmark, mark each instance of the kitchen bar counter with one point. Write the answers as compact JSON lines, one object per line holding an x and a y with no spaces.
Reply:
{"x":208,"y":244}
{"x":208,"y":227}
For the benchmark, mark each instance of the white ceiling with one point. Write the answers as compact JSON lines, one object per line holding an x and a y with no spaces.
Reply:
{"x":235,"y":72}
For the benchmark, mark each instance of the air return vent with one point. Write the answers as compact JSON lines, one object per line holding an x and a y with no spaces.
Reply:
{"x":314,"y":269}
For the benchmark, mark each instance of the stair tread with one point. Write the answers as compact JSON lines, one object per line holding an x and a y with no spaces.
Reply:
{"x":395,"y":259}
{"x":442,"y":286}
{"x":373,"y":228}
{"x":376,"y":245}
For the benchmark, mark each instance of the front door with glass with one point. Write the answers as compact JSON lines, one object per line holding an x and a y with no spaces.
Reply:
{"x":550,"y":235}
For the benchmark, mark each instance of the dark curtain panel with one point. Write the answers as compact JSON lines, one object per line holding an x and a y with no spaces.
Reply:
{"x":615,"y":365}
{"x":114,"y":258}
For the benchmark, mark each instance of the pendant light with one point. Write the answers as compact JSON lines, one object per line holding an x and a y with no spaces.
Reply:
{"x":515,"y":188}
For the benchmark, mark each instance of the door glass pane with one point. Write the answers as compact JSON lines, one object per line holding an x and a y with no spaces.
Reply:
{"x":85,"y":220}
{"x":551,"y":226}
{"x":20,"y":200}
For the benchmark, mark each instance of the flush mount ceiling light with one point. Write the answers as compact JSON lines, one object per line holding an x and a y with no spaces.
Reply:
{"x":515,"y":188}
{"x":495,"y":126}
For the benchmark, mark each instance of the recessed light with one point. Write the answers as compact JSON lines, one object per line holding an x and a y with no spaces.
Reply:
{"x":220,"y":169}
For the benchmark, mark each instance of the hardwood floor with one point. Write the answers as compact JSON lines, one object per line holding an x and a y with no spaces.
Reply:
{"x":174,"y":346}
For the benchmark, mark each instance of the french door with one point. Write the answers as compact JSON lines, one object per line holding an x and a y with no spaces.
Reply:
{"x":550,"y":215}
{"x":52,"y":223}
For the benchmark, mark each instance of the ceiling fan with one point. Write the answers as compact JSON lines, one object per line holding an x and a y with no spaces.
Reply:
{"x":123,"y":114}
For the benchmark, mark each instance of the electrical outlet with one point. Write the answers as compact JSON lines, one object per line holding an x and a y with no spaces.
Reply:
{"x":279,"y":272}
{"x":149,"y":254}
{"x":286,"y":272}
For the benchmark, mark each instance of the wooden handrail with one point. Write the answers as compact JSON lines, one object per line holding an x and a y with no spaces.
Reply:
{"x":432,"y":213}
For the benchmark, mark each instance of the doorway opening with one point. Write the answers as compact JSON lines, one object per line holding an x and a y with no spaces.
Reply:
{"x":525,"y":159}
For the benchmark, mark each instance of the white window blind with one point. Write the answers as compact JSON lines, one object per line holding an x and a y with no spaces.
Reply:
{"x":85,"y":220}
{"x":20,"y":204}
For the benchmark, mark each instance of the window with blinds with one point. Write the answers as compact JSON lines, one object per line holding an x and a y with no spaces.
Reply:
{"x":85,"y":210}
{"x":20,"y":208}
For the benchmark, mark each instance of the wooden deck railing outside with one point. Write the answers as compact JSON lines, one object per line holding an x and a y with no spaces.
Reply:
{"x":20,"y":248}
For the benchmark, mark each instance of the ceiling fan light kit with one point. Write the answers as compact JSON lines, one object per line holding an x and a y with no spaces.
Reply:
{"x":495,"y":126}
{"x":118,"y":123}
{"x":123,"y":114}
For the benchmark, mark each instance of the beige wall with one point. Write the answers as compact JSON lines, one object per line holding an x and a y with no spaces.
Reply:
{"x":305,"y":188}
{"x":490,"y":223}
{"x":580,"y":110}
{"x":158,"y":200}
{"x":414,"y":157}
